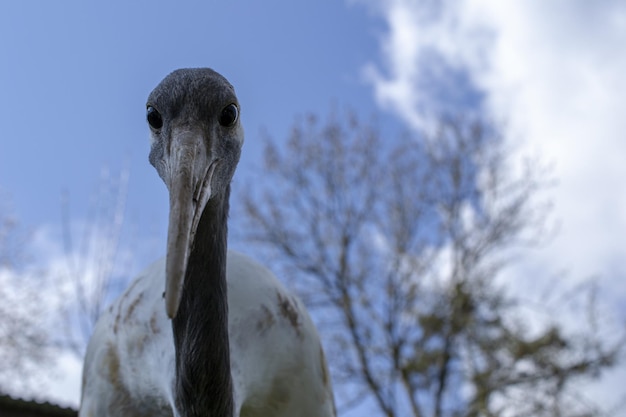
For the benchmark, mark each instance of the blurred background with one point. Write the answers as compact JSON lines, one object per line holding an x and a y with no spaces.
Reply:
{"x":513,"y":111}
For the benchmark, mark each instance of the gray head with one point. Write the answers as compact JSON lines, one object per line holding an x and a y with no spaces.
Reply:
{"x":196,"y":140}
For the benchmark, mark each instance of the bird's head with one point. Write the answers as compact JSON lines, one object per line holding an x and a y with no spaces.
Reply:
{"x":196,"y":139}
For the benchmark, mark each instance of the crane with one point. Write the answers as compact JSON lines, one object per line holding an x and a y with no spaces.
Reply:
{"x":225,"y":338}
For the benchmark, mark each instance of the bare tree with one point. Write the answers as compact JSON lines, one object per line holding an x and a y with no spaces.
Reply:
{"x":399,"y":246}
{"x":94,"y":273}
{"x":24,"y":342}
{"x":45,"y":309}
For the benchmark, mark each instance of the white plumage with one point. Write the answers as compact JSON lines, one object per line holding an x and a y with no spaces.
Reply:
{"x":226,"y":339}
{"x":278,"y":364}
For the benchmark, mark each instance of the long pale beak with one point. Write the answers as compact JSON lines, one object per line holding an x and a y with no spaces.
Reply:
{"x":190,"y":171}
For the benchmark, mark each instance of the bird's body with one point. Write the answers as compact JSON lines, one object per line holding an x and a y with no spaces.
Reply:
{"x":277,"y":362}
{"x":225,"y":339}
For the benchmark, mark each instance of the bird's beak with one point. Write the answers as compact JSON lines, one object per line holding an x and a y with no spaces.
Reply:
{"x":190,"y":170}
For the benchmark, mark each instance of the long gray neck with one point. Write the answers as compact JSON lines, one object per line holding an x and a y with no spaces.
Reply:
{"x":203,"y":378}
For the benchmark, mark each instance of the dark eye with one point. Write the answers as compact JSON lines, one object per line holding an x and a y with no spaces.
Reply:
{"x":229,"y":115}
{"x":154,"y":118}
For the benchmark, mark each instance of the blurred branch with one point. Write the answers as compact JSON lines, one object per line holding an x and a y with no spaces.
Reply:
{"x":400,"y":242}
{"x":91,"y":263}
{"x":24,"y":340}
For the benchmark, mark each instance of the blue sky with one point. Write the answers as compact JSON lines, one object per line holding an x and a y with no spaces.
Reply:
{"x":74,"y":77}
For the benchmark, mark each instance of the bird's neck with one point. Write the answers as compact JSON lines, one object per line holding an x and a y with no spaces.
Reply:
{"x":203,"y":378}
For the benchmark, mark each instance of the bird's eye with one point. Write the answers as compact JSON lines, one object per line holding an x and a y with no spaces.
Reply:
{"x":154,"y":118}
{"x":229,"y":115}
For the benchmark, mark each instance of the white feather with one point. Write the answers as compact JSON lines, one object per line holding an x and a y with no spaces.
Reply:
{"x":277,"y":362}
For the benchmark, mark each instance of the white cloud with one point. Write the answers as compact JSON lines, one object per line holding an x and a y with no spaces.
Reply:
{"x":74,"y":275}
{"x":59,"y":385}
{"x":423,"y":47}
{"x":57,"y":275}
{"x":64,"y":387}
{"x":554,"y":73}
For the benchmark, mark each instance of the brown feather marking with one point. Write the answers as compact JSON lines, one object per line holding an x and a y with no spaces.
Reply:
{"x":289,"y":311}
{"x":153,"y":324}
{"x":266,"y":321}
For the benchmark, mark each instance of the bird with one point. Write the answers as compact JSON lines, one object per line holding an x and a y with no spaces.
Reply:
{"x":225,"y":338}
